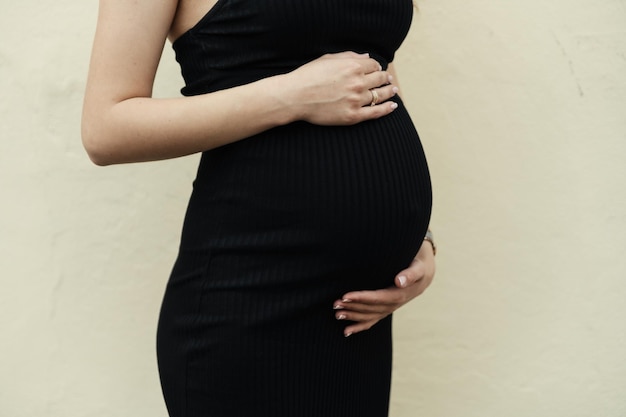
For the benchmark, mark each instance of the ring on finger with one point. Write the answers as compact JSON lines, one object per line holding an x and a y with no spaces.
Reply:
{"x":374,"y":97}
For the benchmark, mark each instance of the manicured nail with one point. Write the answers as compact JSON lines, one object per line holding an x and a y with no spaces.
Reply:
{"x":390,"y":79}
{"x":395,"y":90}
{"x":402,"y":280}
{"x":346,"y":300}
{"x":341,"y":317}
{"x":337,"y":307}
{"x":393,"y":105}
{"x":348,"y":334}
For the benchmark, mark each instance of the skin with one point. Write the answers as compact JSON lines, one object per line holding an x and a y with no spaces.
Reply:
{"x":122,"y":123}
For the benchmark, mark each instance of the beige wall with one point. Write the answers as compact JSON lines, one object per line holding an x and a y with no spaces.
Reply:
{"x":522,"y":109}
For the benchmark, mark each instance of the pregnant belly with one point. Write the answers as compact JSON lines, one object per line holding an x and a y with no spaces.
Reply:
{"x":346,"y":197}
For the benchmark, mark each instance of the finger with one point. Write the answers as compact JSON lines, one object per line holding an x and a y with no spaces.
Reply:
{"x":410,"y":276}
{"x":375,"y":96}
{"x":358,"y":327}
{"x":366,"y":64}
{"x":371,"y":66}
{"x":377,"y":79}
{"x":360,"y":317}
{"x":385,"y":296}
{"x":341,"y":306}
{"x":374,"y":112}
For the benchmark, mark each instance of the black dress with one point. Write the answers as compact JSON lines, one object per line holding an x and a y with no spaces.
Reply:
{"x":283,"y":223}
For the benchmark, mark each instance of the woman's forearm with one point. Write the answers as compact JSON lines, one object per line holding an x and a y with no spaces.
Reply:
{"x":327,"y":91}
{"x":143,"y":128}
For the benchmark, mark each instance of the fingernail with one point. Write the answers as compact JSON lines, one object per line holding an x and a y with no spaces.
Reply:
{"x":402,"y":280}
{"x":341,"y":317}
{"x":337,"y":307}
{"x":366,"y":55}
{"x":346,"y":300}
{"x":390,"y":79}
{"x":348,"y":334}
{"x":394,"y":105}
{"x":395,"y":90}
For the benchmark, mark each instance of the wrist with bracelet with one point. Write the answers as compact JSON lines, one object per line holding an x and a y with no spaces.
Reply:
{"x":431,"y":239}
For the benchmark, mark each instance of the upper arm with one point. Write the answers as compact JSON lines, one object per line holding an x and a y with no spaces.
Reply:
{"x":129,"y":40}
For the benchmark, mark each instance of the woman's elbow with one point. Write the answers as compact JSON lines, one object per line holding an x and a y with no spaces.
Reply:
{"x":99,"y":159}
{"x":95,"y":145}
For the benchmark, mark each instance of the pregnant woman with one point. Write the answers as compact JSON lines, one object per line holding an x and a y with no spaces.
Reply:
{"x":308,"y":215}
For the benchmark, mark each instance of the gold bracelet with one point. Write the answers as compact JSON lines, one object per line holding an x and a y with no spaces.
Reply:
{"x":431,"y":239}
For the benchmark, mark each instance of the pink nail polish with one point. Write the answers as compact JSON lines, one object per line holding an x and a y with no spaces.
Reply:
{"x":394,"y":105}
{"x":395,"y":90}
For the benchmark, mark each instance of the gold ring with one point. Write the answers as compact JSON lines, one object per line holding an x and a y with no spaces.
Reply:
{"x":374,"y":97}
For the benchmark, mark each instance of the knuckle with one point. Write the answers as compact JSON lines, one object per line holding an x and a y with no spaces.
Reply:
{"x":352,"y":117}
{"x":358,"y":85}
{"x":353,"y":66}
{"x":354,"y":100}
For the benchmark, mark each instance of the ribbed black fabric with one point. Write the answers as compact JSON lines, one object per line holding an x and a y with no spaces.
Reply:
{"x":281,"y":224}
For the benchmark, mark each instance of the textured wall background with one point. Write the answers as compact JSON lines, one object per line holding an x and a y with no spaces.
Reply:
{"x":522,"y":109}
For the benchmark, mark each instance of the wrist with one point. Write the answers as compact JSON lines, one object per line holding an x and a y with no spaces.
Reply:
{"x":277,"y":99}
{"x":429,"y":239}
{"x":426,"y":255}
{"x":288,"y":95}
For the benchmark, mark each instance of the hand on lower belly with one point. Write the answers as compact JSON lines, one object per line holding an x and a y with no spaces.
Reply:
{"x":366,"y":308}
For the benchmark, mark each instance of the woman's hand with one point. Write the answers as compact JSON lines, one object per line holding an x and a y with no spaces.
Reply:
{"x":366,"y":308}
{"x":336,"y":89}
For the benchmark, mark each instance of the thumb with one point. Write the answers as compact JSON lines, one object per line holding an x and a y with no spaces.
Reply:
{"x":410,"y":276}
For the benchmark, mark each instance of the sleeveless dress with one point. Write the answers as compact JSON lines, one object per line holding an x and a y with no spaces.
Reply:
{"x":281,"y":224}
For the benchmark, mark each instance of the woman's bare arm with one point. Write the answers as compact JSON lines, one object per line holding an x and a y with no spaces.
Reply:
{"x":123,"y":123}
